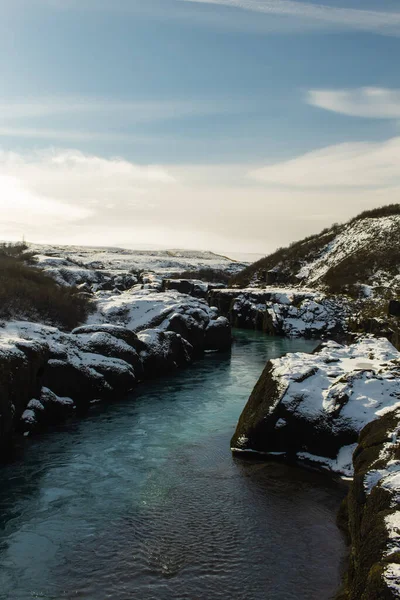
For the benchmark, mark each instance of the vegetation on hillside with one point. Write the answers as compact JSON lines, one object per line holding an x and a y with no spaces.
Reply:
{"x":376,"y":213}
{"x":290,"y":259}
{"x":26,"y":292}
{"x":359,"y":266}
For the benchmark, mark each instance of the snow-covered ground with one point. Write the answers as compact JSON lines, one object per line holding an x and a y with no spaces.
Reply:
{"x":355,"y":237}
{"x":120,"y":260}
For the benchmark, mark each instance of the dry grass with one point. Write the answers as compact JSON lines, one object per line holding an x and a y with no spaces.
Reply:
{"x":26,"y":292}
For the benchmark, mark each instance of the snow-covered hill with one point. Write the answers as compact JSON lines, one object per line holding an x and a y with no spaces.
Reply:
{"x":120,"y":260}
{"x":364,"y":251}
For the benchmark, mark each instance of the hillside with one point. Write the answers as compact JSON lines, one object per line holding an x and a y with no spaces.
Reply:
{"x":75,"y":260}
{"x":363,"y":252}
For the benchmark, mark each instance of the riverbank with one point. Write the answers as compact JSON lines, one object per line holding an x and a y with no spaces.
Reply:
{"x":142,"y":498}
{"x":339,"y":409}
{"x":137,"y":335}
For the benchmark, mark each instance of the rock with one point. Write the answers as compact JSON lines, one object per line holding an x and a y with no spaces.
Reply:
{"x":77,"y":382}
{"x":164,"y":351}
{"x":190,"y":329}
{"x":106,"y":344}
{"x":314,"y":406}
{"x":394,"y":308}
{"x":48,"y":409}
{"x":191,"y":287}
{"x":218,"y":335}
{"x":183,"y":286}
{"x":121,"y":333}
{"x":89,"y":377}
{"x":371,"y":514}
{"x":22,"y":366}
{"x":283,"y":312}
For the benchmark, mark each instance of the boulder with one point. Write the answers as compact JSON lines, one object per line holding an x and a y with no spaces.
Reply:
{"x":192,"y":330}
{"x":75,"y":381}
{"x":218,"y":335}
{"x":105,"y":344}
{"x":47,"y":409}
{"x":22,"y":367}
{"x":313,"y":406}
{"x":117,"y":331}
{"x":370,"y":514}
{"x":164,"y":352}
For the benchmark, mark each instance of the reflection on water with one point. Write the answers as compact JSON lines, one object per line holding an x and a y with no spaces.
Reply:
{"x":143,"y":500}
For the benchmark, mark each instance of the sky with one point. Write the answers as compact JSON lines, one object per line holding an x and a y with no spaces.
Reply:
{"x":236,"y":126}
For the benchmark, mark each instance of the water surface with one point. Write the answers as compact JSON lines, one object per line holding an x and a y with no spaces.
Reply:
{"x":143,"y":500}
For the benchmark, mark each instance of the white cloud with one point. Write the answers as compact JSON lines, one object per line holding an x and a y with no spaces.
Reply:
{"x":133,"y":111}
{"x":349,"y":165}
{"x":52,"y":188}
{"x":21,"y":206}
{"x":370,"y":102}
{"x":365,"y":20}
{"x":44,"y":133}
{"x":70,"y":197}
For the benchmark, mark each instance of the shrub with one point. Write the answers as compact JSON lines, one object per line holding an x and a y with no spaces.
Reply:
{"x":375,"y":213}
{"x":26,"y":292}
{"x":287,"y":261}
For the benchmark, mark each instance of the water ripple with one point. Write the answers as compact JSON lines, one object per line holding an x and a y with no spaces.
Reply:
{"x":143,"y":500}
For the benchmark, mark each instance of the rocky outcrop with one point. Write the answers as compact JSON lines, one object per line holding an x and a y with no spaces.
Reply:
{"x":164,"y":351}
{"x":22,"y":366}
{"x":139,"y":335}
{"x":192,"y":287}
{"x":371,"y":514}
{"x":339,"y":409}
{"x":313,"y":407}
{"x":283,"y":312}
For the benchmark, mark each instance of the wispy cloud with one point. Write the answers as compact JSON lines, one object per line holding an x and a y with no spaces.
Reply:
{"x":366,"y":20}
{"x":344,"y":165}
{"x":134,"y":111}
{"x":71,"y":135}
{"x":369,"y":102}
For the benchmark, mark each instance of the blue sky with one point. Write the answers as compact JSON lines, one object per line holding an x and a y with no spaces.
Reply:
{"x":231,"y":125}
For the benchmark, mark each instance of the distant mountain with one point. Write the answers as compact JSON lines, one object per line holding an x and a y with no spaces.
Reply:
{"x":363,"y":252}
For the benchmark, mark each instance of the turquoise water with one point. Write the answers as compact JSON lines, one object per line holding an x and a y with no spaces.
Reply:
{"x":142,"y":499}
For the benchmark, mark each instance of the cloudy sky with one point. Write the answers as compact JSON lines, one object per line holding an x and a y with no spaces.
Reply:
{"x":230,"y":125}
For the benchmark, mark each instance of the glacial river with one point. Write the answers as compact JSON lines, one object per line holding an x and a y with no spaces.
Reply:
{"x":142,"y":500}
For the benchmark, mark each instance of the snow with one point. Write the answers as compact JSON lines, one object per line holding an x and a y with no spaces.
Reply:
{"x":292,"y":312}
{"x":392,"y":578}
{"x":342,"y":465}
{"x":29,"y":417}
{"x":78,"y":261}
{"x":338,"y":372}
{"x":339,"y":389}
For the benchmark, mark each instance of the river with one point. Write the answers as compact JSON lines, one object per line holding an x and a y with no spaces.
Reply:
{"x":143,"y":500}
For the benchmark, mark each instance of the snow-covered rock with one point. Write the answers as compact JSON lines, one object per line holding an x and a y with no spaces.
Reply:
{"x":284,"y":311}
{"x":134,"y":335}
{"x":371,"y":513}
{"x":22,"y":365}
{"x":313,"y":406}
